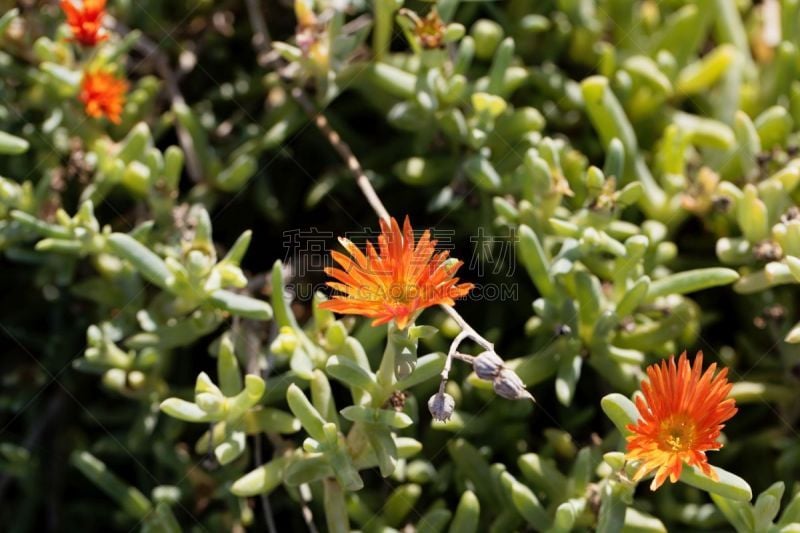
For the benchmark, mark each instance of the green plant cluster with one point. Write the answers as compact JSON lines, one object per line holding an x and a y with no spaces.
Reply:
{"x":162,"y":372}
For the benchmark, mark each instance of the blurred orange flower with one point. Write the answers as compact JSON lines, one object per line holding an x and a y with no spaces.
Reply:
{"x":397,"y":281}
{"x":103,"y":94}
{"x":86,"y":21}
{"x":682,"y":411}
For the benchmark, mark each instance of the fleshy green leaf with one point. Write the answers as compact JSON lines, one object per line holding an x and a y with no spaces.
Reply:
{"x":620,"y":410}
{"x":12,"y":145}
{"x":131,"y":499}
{"x":262,"y":480}
{"x":241,"y":305}
{"x":728,"y":485}
{"x":147,"y":263}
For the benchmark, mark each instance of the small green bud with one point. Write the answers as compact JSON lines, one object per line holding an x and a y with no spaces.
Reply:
{"x":166,"y":493}
{"x":136,"y":379}
{"x":210,"y":403}
{"x":595,"y":178}
{"x":488,"y":103}
{"x":286,"y":342}
{"x":453,"y":32}
{"x":204,"y":384}
{"x":487,"y":35}
{"x":336,"y":335}
{"x":115,"y":379}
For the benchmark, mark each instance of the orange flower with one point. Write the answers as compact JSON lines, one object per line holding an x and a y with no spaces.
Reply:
{"x":103,"y":94}
{"x":86,"y":21}
{"x":396,"y":283}
{"x":682,"y":413}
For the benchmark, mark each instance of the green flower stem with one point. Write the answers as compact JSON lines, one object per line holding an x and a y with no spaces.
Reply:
{"x":335,"y":507}
{"x":380,"y":388}
{"x":385,"y":375}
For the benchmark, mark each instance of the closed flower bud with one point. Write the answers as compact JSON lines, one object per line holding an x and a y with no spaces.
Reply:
{"x":487,"y":35}
{"x":508,"y":385}
{"x":136,"y":379}
{"x":114,"y":379}
{"x":286,"y":342}
{"x":210,"y":403}
{"x":487,"y":365}
{"x":441,"y":406}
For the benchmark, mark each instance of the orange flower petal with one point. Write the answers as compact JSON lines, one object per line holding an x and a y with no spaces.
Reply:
{"x":86,"y":21}
{"x":395,"y":281}
{"x":682,"y":411}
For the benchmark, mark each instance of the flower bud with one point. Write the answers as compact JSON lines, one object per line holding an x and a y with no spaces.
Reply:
{"x":508,"y":385}
{"x":286,"y":342}
{"x":210,"y":403}
{"x":136,"y":379}
{"x":441,"y":406}
{"x":453,"y":32}
{"x":487,"y":365}
{"x":487,"y":35}
{"x":114,"y":379}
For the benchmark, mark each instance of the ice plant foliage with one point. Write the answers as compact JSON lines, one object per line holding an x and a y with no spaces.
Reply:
{"x":103,"y":94}
{"x":682,"y":411}
{"x":570,"y":138}
{"x":396,"y":281}
{"x":86,"y":20}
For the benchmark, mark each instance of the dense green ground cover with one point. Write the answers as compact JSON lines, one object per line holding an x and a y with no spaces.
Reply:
{"x":619,"y":177}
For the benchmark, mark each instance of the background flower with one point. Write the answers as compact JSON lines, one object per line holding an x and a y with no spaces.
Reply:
{"x":103,"y":95}
{"x":86,"y":20}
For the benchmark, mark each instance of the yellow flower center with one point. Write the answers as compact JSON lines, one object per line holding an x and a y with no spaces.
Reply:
{"x":677,"y":433}
{"x":402,"y":293}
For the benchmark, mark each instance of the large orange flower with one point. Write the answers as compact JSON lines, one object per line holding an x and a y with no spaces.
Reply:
{"x":103,"y":94}
{"x":86,"y":21}
{"x":395,"y":282}
{"x":681,"y":414}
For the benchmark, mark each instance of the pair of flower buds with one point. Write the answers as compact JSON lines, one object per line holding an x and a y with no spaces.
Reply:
{"x":490,"y":367}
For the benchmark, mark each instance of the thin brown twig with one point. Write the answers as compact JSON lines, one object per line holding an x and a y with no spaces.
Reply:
{"x":344,"y":151}
{"x":261,"y":38}
{"x":150,"y":49}
{"x":262,"y":42}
